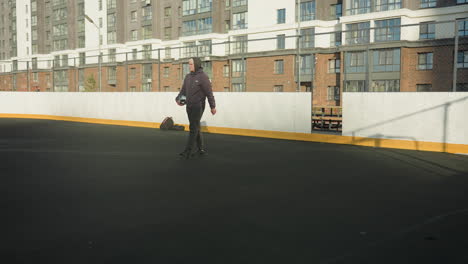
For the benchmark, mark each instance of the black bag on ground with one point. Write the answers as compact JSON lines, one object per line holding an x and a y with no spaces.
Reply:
{"x":167,"y":123}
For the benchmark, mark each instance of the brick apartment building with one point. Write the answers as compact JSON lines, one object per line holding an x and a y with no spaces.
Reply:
{"x":246,"y":45}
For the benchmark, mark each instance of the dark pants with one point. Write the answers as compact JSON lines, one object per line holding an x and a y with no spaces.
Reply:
{"x":195,"y":113}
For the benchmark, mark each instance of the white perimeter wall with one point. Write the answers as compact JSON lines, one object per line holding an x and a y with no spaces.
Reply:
{"x":288,"y":112}
{"x":433,"y":117}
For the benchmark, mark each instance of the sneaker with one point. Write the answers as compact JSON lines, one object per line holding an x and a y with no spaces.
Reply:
{"x":202,"y":152}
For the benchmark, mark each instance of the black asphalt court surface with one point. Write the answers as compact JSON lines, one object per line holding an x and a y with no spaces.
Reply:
{"x":89,"y":193}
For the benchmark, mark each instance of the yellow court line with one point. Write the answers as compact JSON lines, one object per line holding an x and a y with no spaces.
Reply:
{"x":334,"y":139}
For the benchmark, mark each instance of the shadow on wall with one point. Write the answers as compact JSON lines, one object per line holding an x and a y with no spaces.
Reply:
{"x":378,"y":140}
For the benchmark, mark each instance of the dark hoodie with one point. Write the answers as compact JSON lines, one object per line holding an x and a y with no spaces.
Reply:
{"x":197,"y":87}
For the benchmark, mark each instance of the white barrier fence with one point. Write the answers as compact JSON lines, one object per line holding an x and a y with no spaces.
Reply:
{"x":286,"y":112}
{"x":432,"y":116}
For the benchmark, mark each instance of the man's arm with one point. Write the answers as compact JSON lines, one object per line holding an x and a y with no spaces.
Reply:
{"x":207,"y":89}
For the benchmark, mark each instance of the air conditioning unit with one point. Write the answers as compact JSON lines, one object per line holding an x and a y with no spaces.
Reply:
{"x":149,"y":80}
{"x":147,"y":2}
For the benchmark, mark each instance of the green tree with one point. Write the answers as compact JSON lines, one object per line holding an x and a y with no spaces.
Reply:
{"x":90,"y":84}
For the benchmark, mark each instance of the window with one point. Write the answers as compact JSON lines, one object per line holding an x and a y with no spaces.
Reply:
{"x":81,"y":26}
{"x":204,"y":6}
{"x":146,"y":13}
{"x":428,"y":3}
{"x":167,"y":88}
{"x":60,"y":30}
{"x":185,"y":69}
{"x":111,"y":4}
{"x":34,"y":63}
{"x":82,"y":58}
{"x":387,"y":30}
{"x":33,"y":21}
{"x":308,"y":10}
{"x":205,"y":25}
{"x":81,"y":41}
{"x":167,"y":32}
{"x":280,"y":41}
{"x":239,"y":3}
{"x":132,"y":73}
{"x":207,"y":68}
{"x":111,"y":37}
{"x":333,"y":93}
{"x":100,"y":22}
{"x":462,"y":1}
{"x":33,"y":6}
{"x":147,"y":52}
{"x":167,"y":52}
{"x":239,"y":45}
{"x":134,"y":54}
{"x":463,"y":27}
{"x":307,"y":38}
{"x":167,"y":11}
{"x":133,"y":16}
{"x":334,"y":65}
{"x":355,"y":86}
{"x":385,"y":86}
{"x":166,"y":72}
{"x":355,"y":61}
{"x":189,"y":28}
{"x":147,"y":32}
{"x":281,"y":16}
{"x":425,"y":61}
{"x":134,"y":35}
{"x":111,"y":20}
{"x":112,"y":53}
{"x":132,"y":88}
{"x":100,"y":5}
{"x":190,"y":49}
{"x":423,"y":87}
{"x":238,"y":68}
{"x":239,"y":20}
{"x":358,"y":33}
{"x":336,"y":11}
{"x":335,"y":39}
{"x":147,"y":73}
{"x":238,"y":87}
{"x":306,"y":64}
{"x":111,"y":73}
{"x":279,"y":66}
{"x":358,"y":7}
{"x":189,"y":7}
{"x":462,"y":59}
{"x":146,"y":87}
{"x":278,"y":88}
{"x":57,"y":61}
{"x":204,"y":49}
{"x":384,"y":5}
{"x":387,"y":60}
{"x":426,"y":30}
{"x":226,"y":71}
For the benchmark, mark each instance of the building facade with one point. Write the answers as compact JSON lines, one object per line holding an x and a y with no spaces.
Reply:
{"x":324,"y":47}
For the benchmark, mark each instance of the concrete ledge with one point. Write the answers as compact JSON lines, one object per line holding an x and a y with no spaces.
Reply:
{"x":334,"y":139}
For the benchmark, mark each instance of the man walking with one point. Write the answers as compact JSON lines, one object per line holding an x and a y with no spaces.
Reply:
{"x":196,"y":88}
